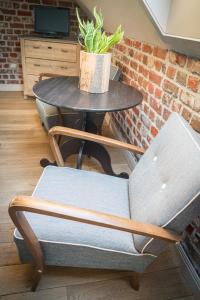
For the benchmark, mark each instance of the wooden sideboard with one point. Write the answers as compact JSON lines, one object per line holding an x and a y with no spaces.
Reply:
{"x":43,"y":55}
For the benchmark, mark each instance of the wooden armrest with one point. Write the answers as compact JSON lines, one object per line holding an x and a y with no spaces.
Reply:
{"x":23,"y":203}
{"x":70,"y":212}
{"x":65,"y":131}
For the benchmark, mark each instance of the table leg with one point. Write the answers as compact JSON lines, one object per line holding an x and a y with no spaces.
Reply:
{"x":100,"y":153}
{"x":91,"y":149}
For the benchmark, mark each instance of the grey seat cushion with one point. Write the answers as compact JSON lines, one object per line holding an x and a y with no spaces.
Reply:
{"x":165,"y":185}
{"x":76,"y":244}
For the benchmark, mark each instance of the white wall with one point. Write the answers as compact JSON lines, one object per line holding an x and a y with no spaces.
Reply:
{"x":184,"y":18}
{"x":161,"y":10}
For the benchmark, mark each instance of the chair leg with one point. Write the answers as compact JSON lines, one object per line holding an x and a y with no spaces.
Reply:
{"x":36,"y":279}
{"x":134,"y":281}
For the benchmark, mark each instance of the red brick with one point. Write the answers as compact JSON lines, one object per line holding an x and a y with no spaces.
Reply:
{"x":24,"y":13}
{"x":171,"y":71}
{"x":133,"y":65}
{"x":170,"y":87}
{"x":158,"y":93}
{"x":155,"y":104}
{"x":160,"y":52}
{"x":146,"y":109}
{"x":177,"y":59}
{"x":131,"y":52}
{"x":152,"y":115}
{"x":181,"y":77}
{"x":50,"y":2}
{"x":138,"y":56}
{"x":167,"y":99}
{"x":128,"y":41}
{"x":136,"y":44}
{"x":143,"y":70}
{"x":16,"y":25}
{"x":193,"y":65}
{"x":13,"y":54}
{"x":158,"y":65}
{"x":166,"y":114}
{"x":186,"y":114}
{"x":145,"y":85}
{"x":159,"y":123}
{"x":150,"y":88}
{"x":8,"y":11}
{"x":147,"y":48}
{"x":126,"y":60}
{"x":121,"y":48}
{"x":195,"y":122}
{"x":34,"y":1}
{"x":193,"y":83}
{"x":154,"y":131}
{"x":140,"y":80}
{"x":155,"y":77}
{"x":176,"y":106}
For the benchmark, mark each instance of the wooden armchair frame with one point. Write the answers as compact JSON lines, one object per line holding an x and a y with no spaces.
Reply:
{"x":40,"y":206}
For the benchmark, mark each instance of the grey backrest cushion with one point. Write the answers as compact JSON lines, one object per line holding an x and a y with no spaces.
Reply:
{"x":164,"y":187}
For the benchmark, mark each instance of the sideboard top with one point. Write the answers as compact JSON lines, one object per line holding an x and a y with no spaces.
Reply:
{"x":67,"y":40}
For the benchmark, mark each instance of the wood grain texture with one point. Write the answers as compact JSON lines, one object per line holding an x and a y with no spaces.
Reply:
{"x":48,"y":56}
{"x":70,"y":212}
{"x":64,"y":131}
{"x":94,"y":72}
{"x":64,"y":92}
{"x":20,"y":151}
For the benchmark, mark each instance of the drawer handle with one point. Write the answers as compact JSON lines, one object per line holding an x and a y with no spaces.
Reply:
{"x":37,"y":65}
{"x":64,"y":51}
{"x":36,"y":47}
{"x":64,"y":68}
{"x":49,"y":47}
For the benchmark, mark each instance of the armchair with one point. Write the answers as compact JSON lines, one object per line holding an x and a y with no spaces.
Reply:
{"x":93,"y":220}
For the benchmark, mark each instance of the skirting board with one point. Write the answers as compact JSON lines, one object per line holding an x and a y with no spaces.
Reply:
{"x":129,"y":156}
{"x":11,"y":87}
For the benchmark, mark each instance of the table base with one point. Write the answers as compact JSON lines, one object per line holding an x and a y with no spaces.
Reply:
{"x":93,"y":124}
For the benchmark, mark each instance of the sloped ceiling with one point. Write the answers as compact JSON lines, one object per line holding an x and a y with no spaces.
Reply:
{"x":137,"y":23}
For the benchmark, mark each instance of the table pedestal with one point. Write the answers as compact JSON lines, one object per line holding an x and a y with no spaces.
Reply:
{"x":92,"y":122}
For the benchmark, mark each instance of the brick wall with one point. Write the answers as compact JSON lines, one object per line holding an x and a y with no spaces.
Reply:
{"x":16,"y":19}
{"x":169,"y":81}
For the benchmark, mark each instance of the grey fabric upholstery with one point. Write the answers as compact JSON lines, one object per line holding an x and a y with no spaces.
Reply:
{"x":49,"y":114}
{"x":69,"y":243}
{"x":165,"y":185}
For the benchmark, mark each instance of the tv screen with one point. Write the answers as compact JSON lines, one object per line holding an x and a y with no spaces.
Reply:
{"x":51,"y":20}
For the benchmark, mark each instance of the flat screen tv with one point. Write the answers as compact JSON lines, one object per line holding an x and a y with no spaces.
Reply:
{"x":51,"y":20}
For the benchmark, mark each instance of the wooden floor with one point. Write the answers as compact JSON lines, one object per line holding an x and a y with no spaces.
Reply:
{"x":23,"y":143}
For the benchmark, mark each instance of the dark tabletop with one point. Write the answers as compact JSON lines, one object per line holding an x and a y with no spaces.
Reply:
{"x":64,"y":92}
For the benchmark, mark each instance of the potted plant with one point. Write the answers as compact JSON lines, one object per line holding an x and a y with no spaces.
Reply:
{"x":95,"y":58}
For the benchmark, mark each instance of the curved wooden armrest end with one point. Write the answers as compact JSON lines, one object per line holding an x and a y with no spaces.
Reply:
{"x":70,"y":212}
{"x":65,"y":131}
{"x":48,"y":75}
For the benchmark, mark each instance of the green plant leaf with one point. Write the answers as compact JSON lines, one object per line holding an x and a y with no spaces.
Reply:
{"x":94,"y":38}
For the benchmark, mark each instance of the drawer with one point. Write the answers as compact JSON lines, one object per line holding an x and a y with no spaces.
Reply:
{"x":38,"y":66}
{"x":50,"y":50}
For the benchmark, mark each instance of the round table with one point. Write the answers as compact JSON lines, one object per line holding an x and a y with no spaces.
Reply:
{"x":64,"y":92}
